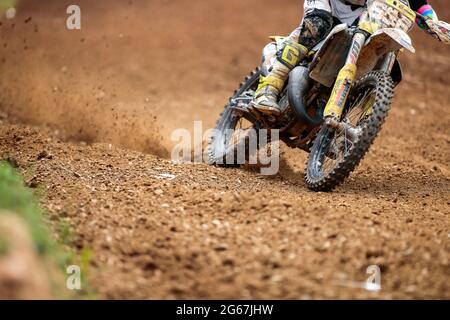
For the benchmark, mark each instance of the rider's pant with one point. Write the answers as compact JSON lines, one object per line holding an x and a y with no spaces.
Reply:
{"x":317,"y":23}
{"x":318,"y":20}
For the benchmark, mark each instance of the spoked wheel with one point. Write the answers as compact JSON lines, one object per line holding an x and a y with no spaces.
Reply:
{"x":230,"y":143}
{"x":336,"y":153}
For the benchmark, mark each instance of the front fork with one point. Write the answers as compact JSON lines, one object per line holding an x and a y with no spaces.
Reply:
{"x":344,"y":80}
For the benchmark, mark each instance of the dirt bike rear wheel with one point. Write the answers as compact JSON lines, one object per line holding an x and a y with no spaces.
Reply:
{"x":221,"y":145}
{"x":334,"y":156}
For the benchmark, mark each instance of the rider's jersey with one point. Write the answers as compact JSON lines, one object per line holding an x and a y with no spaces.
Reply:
{"x":348,"y":11}
{"x":415,"y":4}
{"x":355,"y":2}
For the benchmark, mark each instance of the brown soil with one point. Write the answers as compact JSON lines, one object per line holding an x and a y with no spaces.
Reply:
{"x":135,"y":72}
{"x":22,"y":273}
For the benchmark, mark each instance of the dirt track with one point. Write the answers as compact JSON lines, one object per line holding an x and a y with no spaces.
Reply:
{"x":211,"y":232}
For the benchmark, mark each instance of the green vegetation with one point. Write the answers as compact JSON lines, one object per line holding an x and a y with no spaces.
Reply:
{"x":5,"y":5}
{"x":65,"y":235}
{"x":85,"y":261}
{"x":17,"y":198}
{"x":4,"y":246}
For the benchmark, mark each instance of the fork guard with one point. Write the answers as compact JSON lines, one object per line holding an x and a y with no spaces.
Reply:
{"x":299,"y":85}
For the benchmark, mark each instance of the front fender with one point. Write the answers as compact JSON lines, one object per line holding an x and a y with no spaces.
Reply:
{"x":380,"y":43}
{"x":397,"y":37}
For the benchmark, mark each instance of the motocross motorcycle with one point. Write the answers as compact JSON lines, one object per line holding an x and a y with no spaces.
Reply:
{"x":336,"y":100}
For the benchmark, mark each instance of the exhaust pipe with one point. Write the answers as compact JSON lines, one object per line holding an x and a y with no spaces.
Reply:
{"x":299,"y":85}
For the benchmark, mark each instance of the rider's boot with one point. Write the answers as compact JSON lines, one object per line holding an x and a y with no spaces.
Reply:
{"x":270,"y":87}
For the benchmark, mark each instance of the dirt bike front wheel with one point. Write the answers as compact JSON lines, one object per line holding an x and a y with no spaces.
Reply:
{"x":336,"y":153}
{"x":233,"y":131}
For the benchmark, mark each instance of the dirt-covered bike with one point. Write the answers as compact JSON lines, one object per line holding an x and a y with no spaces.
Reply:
{"x":335,"y":101}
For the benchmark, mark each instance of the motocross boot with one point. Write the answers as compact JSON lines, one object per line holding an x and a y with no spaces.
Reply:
{"x":270,"y":87}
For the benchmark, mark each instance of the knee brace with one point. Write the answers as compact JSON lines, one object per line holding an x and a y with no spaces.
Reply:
{"x":291,"y":53}
{"x":316,"y":26}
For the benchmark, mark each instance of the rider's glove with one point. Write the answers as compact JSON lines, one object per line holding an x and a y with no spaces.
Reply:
{"x":426,"y":12}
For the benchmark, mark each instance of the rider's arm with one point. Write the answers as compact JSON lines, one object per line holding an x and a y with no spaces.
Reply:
{"x":424,"y":9}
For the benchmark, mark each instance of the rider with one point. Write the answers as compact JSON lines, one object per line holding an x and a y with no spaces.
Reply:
{"x":317,"y":23}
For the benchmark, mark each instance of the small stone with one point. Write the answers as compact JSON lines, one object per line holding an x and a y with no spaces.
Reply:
{"x":33,"y":183}
{"x":11,"y":13}
{"x":12,"y":161}
{"x":221,"y":247}
{"x":100,"y":95}
{"x":44,"y":155}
